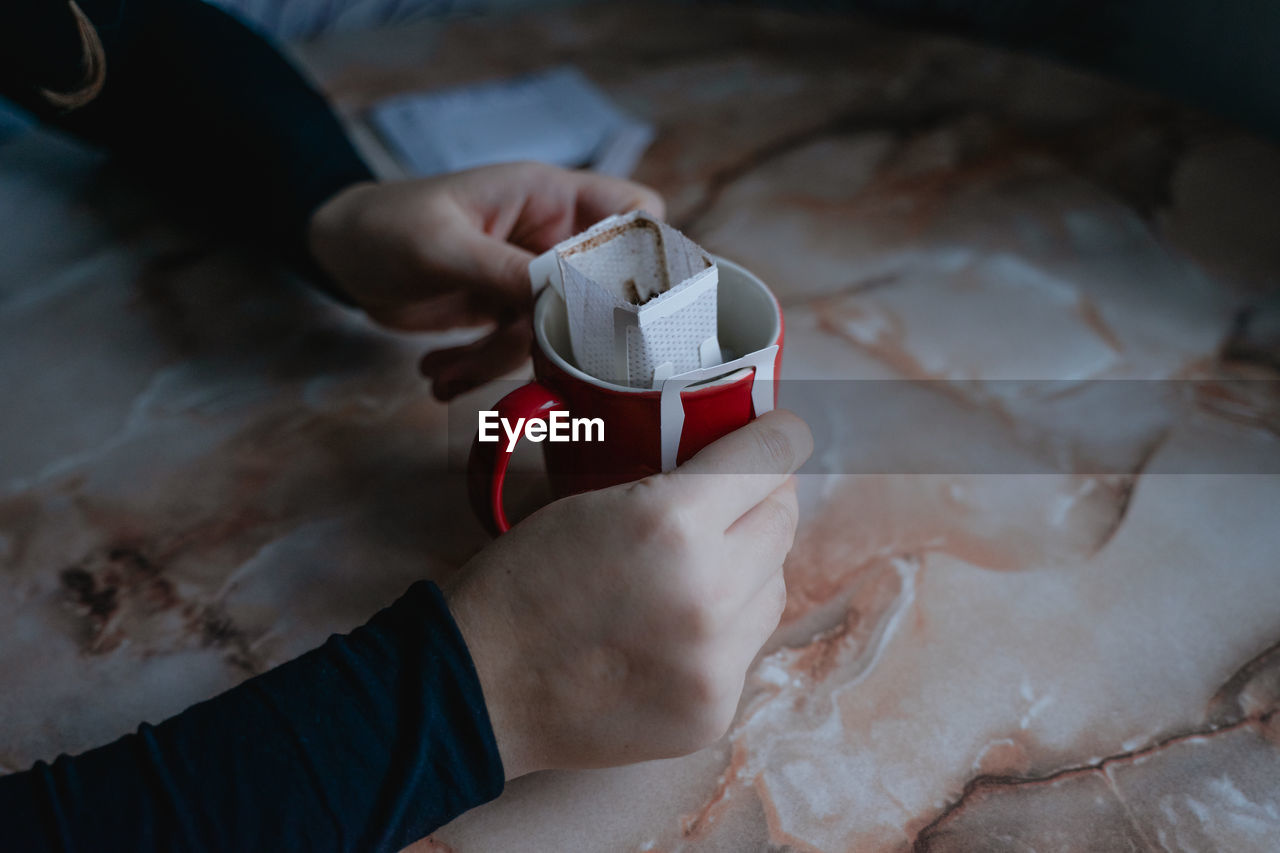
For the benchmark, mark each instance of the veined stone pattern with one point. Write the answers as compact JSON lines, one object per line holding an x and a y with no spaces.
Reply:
{"x":1072,"y":644}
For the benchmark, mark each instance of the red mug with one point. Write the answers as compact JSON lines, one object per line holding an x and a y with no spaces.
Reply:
{"x":749,"y":320}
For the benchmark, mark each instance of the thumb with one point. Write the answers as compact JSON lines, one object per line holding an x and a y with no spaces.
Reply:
{"x":493,"y":267}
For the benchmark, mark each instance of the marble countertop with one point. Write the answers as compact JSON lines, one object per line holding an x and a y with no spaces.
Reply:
{"x":1018,"y":620}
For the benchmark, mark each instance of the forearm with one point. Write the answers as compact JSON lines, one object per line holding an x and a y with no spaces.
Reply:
{"x":365,"y":744}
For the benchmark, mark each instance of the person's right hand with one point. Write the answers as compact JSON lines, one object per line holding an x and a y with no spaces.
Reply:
{"x":617,"y":626}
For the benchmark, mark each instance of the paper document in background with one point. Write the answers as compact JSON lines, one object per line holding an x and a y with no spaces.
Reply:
{"x":556,"y":116}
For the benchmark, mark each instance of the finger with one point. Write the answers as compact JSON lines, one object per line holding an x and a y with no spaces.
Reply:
{"x":482,"y":262}
{"x":559,"y":203}
{"x":752,"y":626}
{"x":761,"y":538}
{"x":456,"y":370}
{"x":452,"y":310}
{"x":757,"y":543}
{"x":599,"y":196}
{"x":761,"y":616}
{"x":779,"y":513}
{"x":730,"y":476}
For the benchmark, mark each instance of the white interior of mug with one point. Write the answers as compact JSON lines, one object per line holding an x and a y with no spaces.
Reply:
{"x":747,"y":319}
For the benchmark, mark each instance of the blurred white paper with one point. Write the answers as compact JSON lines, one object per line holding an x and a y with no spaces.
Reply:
{"x":556,"y":116}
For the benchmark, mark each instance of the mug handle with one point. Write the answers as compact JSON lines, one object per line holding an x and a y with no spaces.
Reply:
{"x":487,"y":465}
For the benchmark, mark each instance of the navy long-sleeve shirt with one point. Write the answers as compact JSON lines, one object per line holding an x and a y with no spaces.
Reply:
{"x":376,"y":738}
{"x":193,"y":99}
{"x":365,"y":744}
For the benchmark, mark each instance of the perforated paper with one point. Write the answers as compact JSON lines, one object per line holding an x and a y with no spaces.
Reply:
{"x":640,"y":297}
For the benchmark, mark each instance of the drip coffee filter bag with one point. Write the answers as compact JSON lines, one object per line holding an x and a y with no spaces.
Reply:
{"x":640,"y":299}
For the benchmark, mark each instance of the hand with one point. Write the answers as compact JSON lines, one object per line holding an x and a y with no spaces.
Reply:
{"x":617,"y":626}
{"x":453,"y":251}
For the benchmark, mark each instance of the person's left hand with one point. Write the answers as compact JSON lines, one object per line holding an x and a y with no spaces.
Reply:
{"x":453,"y":251}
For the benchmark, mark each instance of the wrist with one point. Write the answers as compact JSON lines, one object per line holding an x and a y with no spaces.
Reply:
{"x":326,"y":231}
{"x":501,"y":676}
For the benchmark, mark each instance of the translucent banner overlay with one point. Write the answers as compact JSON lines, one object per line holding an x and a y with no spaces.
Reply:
{"x":945,"y":427}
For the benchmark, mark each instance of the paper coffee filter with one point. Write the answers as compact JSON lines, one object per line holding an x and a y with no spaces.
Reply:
{"x":640,"y":299}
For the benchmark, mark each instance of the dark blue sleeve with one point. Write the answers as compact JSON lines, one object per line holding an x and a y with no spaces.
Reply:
{"x":196,"y":102}
{"x":366,"y":744}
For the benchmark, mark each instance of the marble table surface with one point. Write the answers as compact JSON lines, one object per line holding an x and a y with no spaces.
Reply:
{"x":1034,"y":603}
